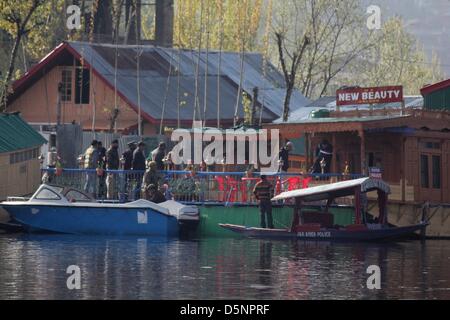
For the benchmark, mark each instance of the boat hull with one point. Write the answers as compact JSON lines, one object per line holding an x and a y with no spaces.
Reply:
{"x":328,"y":235}
{"x":94,"y":221}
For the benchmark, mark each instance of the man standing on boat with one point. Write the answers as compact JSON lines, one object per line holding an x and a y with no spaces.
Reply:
{"x":112,"y":163}
{"x":158,"y":155}
{"x":263,"y":192}
{"x":139,"y":167}
{"x":127,"y":165}
{"x":91,"y":157}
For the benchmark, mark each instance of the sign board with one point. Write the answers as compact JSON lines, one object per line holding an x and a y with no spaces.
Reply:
{"x":375,"y":173}
{"x":354,"y":96}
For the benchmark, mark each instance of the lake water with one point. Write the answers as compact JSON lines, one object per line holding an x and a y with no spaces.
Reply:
{"x":34,"y":267}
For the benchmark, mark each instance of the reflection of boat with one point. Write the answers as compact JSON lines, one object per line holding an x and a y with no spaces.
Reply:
{"x":67,"y":210}
{"x":320,"y":225}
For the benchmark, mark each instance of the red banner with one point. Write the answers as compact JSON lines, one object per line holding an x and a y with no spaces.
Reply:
{"x":353,"y":96}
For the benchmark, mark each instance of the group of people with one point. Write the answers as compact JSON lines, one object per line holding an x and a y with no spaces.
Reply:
{"x":143,"y":172}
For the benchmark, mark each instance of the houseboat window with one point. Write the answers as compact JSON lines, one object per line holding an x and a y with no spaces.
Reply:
{"x":431,"y":145}
{"x":424,"y":173}
{"x":436,"y":172}
{"x":47,"y":194}
{"x":82,"y":85}
{"x":77,"y":196}
{"x":66,"y":80}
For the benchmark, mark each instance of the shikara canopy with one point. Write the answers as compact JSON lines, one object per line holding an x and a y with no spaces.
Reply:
{"x":335,"y":190}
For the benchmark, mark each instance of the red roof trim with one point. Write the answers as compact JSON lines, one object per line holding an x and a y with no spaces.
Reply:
{"x":38,"y":67}
{"x":434,"y":87}
{"x":111,"y":86}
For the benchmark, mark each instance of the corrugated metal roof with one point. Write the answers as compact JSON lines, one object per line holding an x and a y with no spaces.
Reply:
{"x":329,"y":102}
{"x":156,"y":64}
{"x":16,"y":134}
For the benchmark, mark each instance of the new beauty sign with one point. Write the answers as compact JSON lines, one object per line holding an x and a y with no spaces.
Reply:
{"x":354,"y":96}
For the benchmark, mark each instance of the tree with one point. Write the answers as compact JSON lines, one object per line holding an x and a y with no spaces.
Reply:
{"x":326,"y":35}
{"x":223,"y":22}
{"x":18,"y":18}
{"x":396,"y":58}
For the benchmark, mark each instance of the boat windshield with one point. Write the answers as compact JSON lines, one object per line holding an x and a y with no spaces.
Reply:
{"x":77,"y":196}
{"x":47,"y":194}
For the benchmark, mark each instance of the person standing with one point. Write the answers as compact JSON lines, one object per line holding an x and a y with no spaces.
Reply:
{"x":112,"y":163}
{"x":101,"y":165}
{"x":263,"y":192}
{"x":283,"y":156}
{"x":138,"y":166}
{"x":159,"y":156}
{"x":127,"y":165}
{"x":91,"y":157}
{"x":324,"y":152}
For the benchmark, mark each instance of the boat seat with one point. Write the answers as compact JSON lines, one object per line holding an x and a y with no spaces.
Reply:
{"x":325,"y":219}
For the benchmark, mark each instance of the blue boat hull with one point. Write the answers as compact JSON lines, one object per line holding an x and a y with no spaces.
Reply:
{"x":95,"y":221}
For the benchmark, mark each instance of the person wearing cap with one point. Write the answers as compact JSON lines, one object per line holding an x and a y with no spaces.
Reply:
{"x":112,"y":163}
{"x":263,"y":192}
{"x":127,"y":164}
{"x":91,"y":157}
{"x":139,"y":168}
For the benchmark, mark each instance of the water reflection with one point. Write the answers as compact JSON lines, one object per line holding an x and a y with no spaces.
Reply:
{"x":34,"y":267}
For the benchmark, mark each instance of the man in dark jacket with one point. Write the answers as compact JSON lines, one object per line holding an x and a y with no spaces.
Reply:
{"x":324,"y":154}
{"x":112,"y":163}
{"x":284,"y":156}
{"x":101,"y":164}
{"x":138,"y":166}
{"x":159,"y":156}
{"x":127,"y":164}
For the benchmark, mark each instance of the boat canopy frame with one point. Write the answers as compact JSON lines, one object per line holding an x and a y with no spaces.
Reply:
{"x":329,"y":192}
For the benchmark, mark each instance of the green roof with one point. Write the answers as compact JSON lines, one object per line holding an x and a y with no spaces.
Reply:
{"x":16,"y":134}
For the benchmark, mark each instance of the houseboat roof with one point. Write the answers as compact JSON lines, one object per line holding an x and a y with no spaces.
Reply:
{"x":335,"y":190}
{"x":168,"y":79}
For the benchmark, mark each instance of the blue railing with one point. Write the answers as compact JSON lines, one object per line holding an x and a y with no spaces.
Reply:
{"x":183,"y":186}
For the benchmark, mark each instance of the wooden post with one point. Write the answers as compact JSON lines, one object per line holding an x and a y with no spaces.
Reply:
{"x":333,"y":159}
{"x":363,"y":151}
{"x":358,"y":205}
{"x":296,"y":219}
{"x":402,"y":170}
{"x":307,"y":151}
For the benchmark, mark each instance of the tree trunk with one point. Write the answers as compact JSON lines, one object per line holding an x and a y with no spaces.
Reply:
{"x":12,"y":62}
{"x":287,"y":102}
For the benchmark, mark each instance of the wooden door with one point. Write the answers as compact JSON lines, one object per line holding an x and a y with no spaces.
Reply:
{"x":430,"y":166}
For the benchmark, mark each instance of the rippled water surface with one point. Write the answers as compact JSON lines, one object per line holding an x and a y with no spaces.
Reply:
{"x":34,"y":267}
